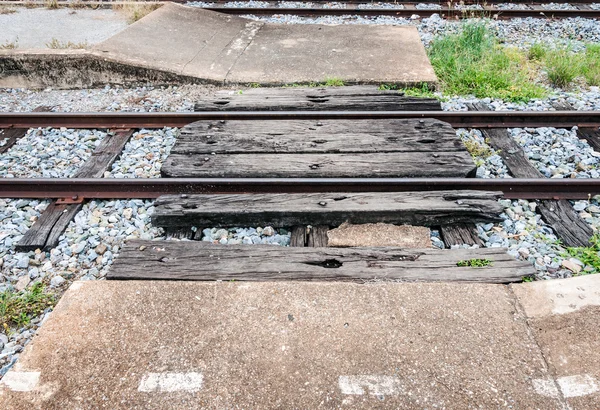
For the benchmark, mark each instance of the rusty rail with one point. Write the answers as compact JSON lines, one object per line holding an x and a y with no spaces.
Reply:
{"x":470,"y":119}
{"x":78,"y":189}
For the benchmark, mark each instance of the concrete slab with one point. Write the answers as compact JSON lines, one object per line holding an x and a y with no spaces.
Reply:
{"x":283,"y":54}
{"x":144,"y":345}
{"x":565,"y":318}
{"x":193,"y":42}
{"x":380,"y":234}
{"x":34,"y":28}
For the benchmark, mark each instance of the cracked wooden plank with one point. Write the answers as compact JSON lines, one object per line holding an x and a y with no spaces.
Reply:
{"x":192,"y":260}
{"x":353,"y":98}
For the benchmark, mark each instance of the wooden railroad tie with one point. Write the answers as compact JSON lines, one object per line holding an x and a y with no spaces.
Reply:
{"x":194,"y":260}
{"x":559,"y":214}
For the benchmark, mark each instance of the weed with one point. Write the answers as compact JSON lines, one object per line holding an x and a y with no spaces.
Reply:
{"x":472,"y":62}
{"x":474,"y":263}
{"x":18,"y":308}
{"x":536,"y":52}
{"x":9,"y":45}
{"x":254,"y":85}
{"x":329,"y":82}
{"x":333,"y":82}
{"x":56,"y":44}
{"x":527,"y":278}
{"x":478,"y":150}
{"x":422,"y":90}
{"x":589,"y":256}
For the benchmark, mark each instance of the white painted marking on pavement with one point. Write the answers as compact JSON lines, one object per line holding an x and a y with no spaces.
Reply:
{"x":570,"y":386}
{"x":170,"y":382}
{"x":545,"y":387}
{"x":374,"y":384}
{"x":578,"y":385}
{"x":21,"y":381}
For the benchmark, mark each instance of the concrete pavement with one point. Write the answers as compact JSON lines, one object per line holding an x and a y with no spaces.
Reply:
{"x":187,"y":44}
{"x":309,"y":345}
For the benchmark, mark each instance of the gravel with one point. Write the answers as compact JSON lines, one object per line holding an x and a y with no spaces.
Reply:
{"x":144,"y":154}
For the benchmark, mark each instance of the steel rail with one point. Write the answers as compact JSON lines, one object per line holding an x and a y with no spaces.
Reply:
{"x":109,"y":188}
{"x":408,"y":12}
{"x":470,"y":119}
{"x":68,"y":3}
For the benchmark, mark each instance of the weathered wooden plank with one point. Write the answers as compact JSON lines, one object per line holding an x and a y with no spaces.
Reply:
{"x":192,"y":260}
{"x":317,"y":236}
{"x":11,"y":135}
{"x":355,"y":98}
{"x":460,"y":234}
{"x":430,"y":208}
{"x":309,"y":136}
{"x":45,"y":232}
{"x":568,"y":226}
{"x":387,"y":165}
{"x":591,"y":135}
{"x":104,"y":155}
{"x":298,"y":236}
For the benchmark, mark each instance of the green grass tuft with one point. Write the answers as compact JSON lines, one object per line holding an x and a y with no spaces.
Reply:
{"x":332,"y":82}
{"x":563,"y":66}
{"x":18,"y":308}
{"x":473,"y":63}
{"x":591,"y":64}
{"x":474,"y":263}
{"x":536,"y":52}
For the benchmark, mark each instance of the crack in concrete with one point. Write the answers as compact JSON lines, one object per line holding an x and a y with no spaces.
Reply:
{"x":252,"y":35}
{"x":520,"y":310}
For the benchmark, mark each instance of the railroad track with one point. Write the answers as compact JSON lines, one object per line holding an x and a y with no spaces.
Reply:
{"x":97,"y":188}
{"x":342,"y":158}
{"x":405,"y":9}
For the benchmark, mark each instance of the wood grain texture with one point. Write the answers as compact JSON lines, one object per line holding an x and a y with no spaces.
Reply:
{"x":317,"y":236}
{"x":309,"y":136}
{"x":432,"y":208}
{"x":388,"y":165}
{"x":192,"y":260}
{"x":298,"y":236}
{"x":10,"y":137}
{"x":460,"y":234}
{"x":560,"y":215}
{"x":355,"y":98}
{"x":45,"y":232}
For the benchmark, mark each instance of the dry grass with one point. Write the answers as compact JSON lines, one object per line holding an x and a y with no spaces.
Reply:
{"x":51,"y":4}
{"x":135,"y":12}
{"x":9,"y":45}
{"x":57,"y":44}
{"x":7,"y":10}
